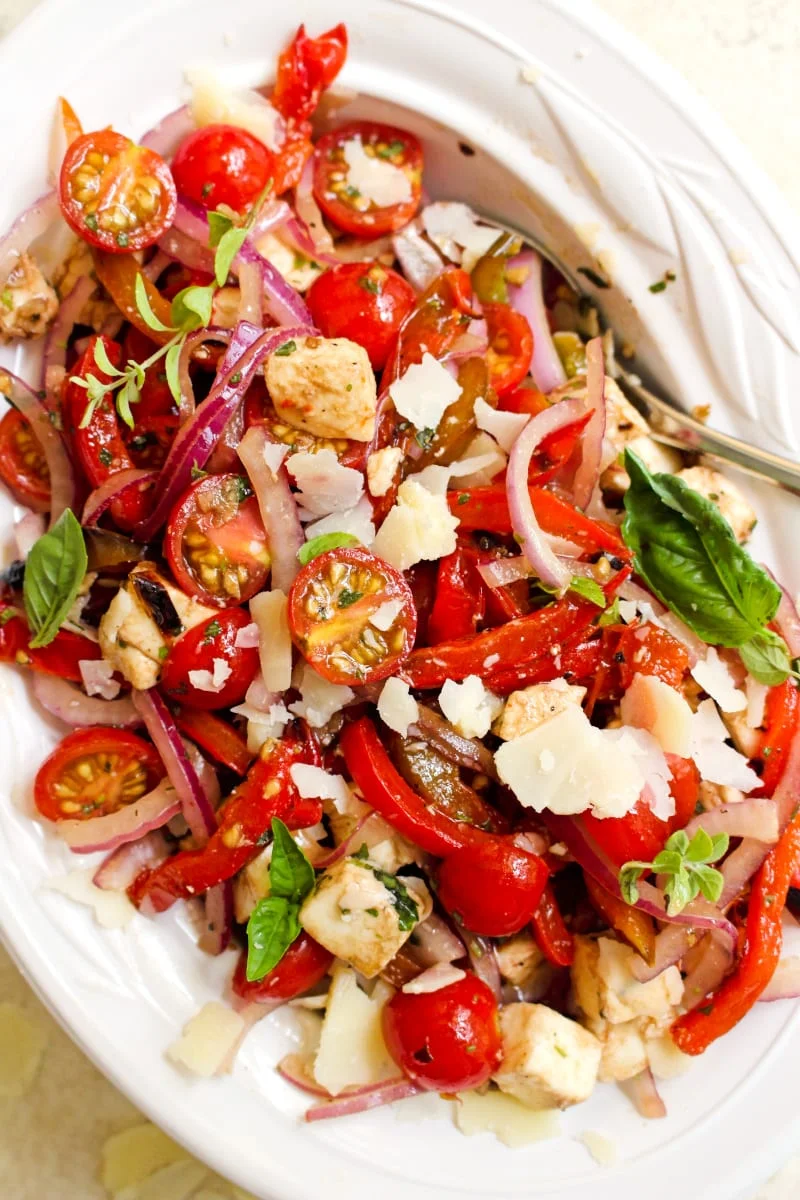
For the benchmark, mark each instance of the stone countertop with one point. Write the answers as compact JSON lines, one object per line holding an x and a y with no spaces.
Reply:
{"x":742,"y":55}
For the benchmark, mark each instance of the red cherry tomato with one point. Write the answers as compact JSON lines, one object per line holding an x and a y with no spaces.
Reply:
{"x":216,"y":544}
{"x":216,"y":737}
{"x":331,"y":604}
{"x":222,"y":164}
{"x":510,"y":347}
{"x":494,"y":886}
{"x":23,"y":466}
{"x":342,"y":202}
{"x":303,"y":965}
{"x":116,"y":195}
{"x":94,"y":772}
{"x":440,"y":317}
{"x":61,"y":657}
{"x":201,"y":649}
{"x":364,"y":302}
{"x":446,"y":1041}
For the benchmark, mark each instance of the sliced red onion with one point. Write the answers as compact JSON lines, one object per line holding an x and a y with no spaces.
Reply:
{"x":309,"y":213}
{"x":643,"y":1094}
{"x":420,"y":261}
{"x":219,"y":919}
{"x":466,"y":752}
{"x":271,"y":216}
{"x":187,"y":250}
{"x":54,"y":359}
{"x":283,"y":303}
{"x":355,"y":250}
{"x":483,"y":960}
{"x":358,"y":1100}
{"x":277,"y":506}
{"x":751,"y":818}
{"x":294,"y":1070}
{"x":538,"y":553}
{"x":28,"y":227}
{"x":672,"y":944}
{"x":194,"y":803}
{"x":344,"y":848}
{"x":473,"y":342}
{"x":167,"y":135}
{"x":500,"y":572}
{"x":157,"y":265}
{"x":128,"y":824}
{"x":435,"y":942}
{"x":133,"y":479}
{"x":206,"y":774}
{"x":250,"y":293}
{"x":714,"y":959}
{"x":588,"y":472}
{"x":117,"y":872}
{"x":785,"y":983}
{"x":296,"y":234}
{"x":62,"y":479}
{"x":528,"y":299}
{"x":192,"y":220}
{"x":196,"y":439}
{"x":788,"y":621}
{"x":186,"y":404}
{"x":72,"y":706}
{"x":27,"y":531}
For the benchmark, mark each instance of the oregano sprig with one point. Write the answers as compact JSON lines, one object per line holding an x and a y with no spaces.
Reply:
{"x":686,"y":864}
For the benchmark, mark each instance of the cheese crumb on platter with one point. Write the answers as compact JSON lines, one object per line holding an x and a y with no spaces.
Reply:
{"x":602,"y":1149}
{"x":208,"y":1040}
{"x":511,"y":1122}
{"x":112,"y":910}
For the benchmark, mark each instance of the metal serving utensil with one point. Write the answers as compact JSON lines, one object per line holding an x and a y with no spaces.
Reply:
{"x":670,"y":423}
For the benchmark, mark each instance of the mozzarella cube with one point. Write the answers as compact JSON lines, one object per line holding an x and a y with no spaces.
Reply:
{"x":29,"y":303}
{"x":420,"y":526}
{"x":324,"y":386}
{"x":657,"y":458}
{"x":731,"y":502}
{"x":548,"y":1060}
{"x":531,"y":707}
{"x":519,"y":958}
{"x":624,"y":1051}
{"x":355,"y":915}
{"x":607,"y":990}
{"x":653,"y":705}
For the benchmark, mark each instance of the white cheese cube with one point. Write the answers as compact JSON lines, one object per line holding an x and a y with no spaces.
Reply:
{"x":548,"y":1060}
{"x":607,"y":990}
{"x":531,"y":707}
{"x":519,"y":958}
{"x":325,"y":386}
{"x":624,"y":1051}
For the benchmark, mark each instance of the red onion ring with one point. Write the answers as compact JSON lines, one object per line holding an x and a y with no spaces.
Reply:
{"x":156,"y":266}
{"x":343,"y":849}
{"x":72,"y":706}
{"x":588,"y":472}
{"x":54,"y":359}
{"x":186,"y":250}
{"x":500,"y":572}
{"x":167,"y":135}
{"x":193,"y":801}
{"x":219,"y":919}
{"x":483,"y":960}
{"x":715,"y":959}
{"x":785,"y":983}
{"x":117,"y":872}
{"x":528,"y":299}
{"x":751,"y":818}
{"x":544,"y":562}
{"x":128,"y":824}
{"x":250,"y":293}
{"x":435,"y":942}
{"x":113,"y":489}
{"x":62,"y":479}
{"x":643,"y":1094}
{"x":309,"y":213}
{"x":276,"y":504}
{"x":194,"y":341}
{"x":29,"y":225}
{"x":292,"y":1068}
{"x":360,"y":1100}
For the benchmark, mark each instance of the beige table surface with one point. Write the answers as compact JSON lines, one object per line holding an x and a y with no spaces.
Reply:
{"x":744,"y":56}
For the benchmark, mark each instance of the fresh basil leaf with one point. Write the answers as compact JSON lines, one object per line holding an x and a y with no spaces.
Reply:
{"x":127,"y":395}
{"x":54,"y":571}
{"x":171,"y":361}
{"x":218,"y":225}
{"x":291,"y":875}
{"x":766,"y":657}
{"x":709,"y":880}
{"x":272,"y":928}
{"x":145,"y":309}
{"x":325,"y":541}
{"x":191,"y":307}
{"x":103,"y":361}
{"x":689,"y":557}
{"x":589,"y":589}
{"x":700,"y":848}
{"x":611,"y":615}
{"x":406,"y":908}
{"x":229,"y":246}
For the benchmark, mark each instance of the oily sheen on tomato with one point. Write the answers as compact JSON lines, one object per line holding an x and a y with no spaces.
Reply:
{"x":448,"y":1040}
{"x":23,"y":466}
{"x":337,"y":193}
{"x":205,"y":668}
{"x":364,"y":302}
{"x":352,"y":616}
{"x":95,"y":772}
{"x":222,"y":164}
{"x":494,"y":886}
{"x":216,"y":543}
{"x":114,"y":194}
{"x":510,"y":347}
{"x":303,"y":965}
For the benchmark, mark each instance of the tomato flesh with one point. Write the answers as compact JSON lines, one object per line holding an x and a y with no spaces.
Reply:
{"x":201,"y":649}
{"x":94,"y":772}
{"x":216,"y":543}
{"x":510,"y":347}
{"x":494,"y":887}
{"x":114,"y":194}
{"x":303,"y":965}
{"x":23,"y":466}
{"x":364,"y":302}
{"x":331,"y":605}
{"x":305,"y":68}
{"x":342,"y":202}
{"x":222,"y":164}
{"x":448,"y":1040}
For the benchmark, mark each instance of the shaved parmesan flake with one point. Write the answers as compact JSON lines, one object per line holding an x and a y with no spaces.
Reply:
{"x":385,"y":615}
{"x":665,"y":1059}
{"x":651,"y":704}
{"x":505,"y":427}
{"x":512,"y":1123}
{"x":756,"y":701}
{"x":356,"y":521}
{"x":437,"y":479}
{"x":247,"y":638}
{"x":208,"y":1040}
{"x":469,"y":706}
{"x":112,"y":910}
{"x":211,"y":681}
{"x":22,"y":1045}
{"x":716,"y":761}
{"x":482,"y":444}
{"x":397,"y":708}
{"x":420,"y":526}
{"x":269,"y":610}
{"x":325,"y":485}
{"x":374,"y":178}
{"x":129,"y":1157}
{"x":314,"y":783}
{"x":213,"y":104}
{"x":602,"y":1149}
{"x":273,"y":454}
{"x":423,"y":392}
{"x":97,"y":679}
{"x":714,"y":676}
{"x":320,"y":699}
{"x":453,"y":227}
{"x":352,"y":1050}
{"x":434,"y":979}
{"x":647,"y":753}
{"x":175,"y":1182}
{"x":381,"y":469}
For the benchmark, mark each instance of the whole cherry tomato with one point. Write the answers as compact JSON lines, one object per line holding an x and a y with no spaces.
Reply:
{"x":303,"y":965}
{"x":494,"y":887}
{"x":194,"y":661}
{"x":364,"y":302}
{"x":222,"y":164}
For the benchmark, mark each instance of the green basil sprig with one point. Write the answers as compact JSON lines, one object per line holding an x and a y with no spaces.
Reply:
{"x":686,"y":865}
{"x":689,"y":557}
{"x":274,"y":922}
{"x":54,"y":572}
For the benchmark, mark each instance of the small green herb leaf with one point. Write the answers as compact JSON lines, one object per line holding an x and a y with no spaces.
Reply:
{"x":191,"y":307}
{"x":346,"y":598}
{"x":54,"y":571}
{"x":229,"y":246}
{"x":145,"y":309}
{"x":218,"y":225}
{"x":686,"y":865}
{"x":171,"y":361}
{"x":611,"y":615}
{"x":325,"y":541}
{"x":589,"y":589}
{"x":103,"y":361}
{"x":286,"y":349}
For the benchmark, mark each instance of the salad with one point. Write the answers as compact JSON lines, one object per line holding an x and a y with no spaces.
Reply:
{"x":391,"y":640}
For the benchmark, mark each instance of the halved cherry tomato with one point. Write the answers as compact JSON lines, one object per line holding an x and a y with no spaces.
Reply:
{"x":202,"y":649}
{"x":23,"y":466}
{"x":305,"y":69}
{"x":494,"y":887}
{"x":216,"y":544}
{"x":94,"y":772}
{"x":447,"y":1040}
{"x":114,"y":194}
{"x":364,"y":302}
{"x":333,"y":616}
{"x":61,"y":657}
{"x":342,"y":202}
{"x":150,"y":440}
{"x":222,"y":164}
{"x":440,"y":317}
{"x":510,"y":347}
{"x":303,"y":965}
{"x":216,"y":737}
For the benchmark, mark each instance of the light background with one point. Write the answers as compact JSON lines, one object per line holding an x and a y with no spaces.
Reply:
{"x":744,"y":56}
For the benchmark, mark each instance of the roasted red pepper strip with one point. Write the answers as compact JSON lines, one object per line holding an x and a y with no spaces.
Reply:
{"x":694,"y":1032}
{"x":215,"y":736}
{"x":245,"y":817}
{"x":580,"y":657}
{"x":552,"y":936}
{"x":460,"y":598}
{"x":61,"y":657}
{"x":487,"y":508}
{"x":305,"y":69}
{"x":780,"y":720}
{"x":385,"y":790}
